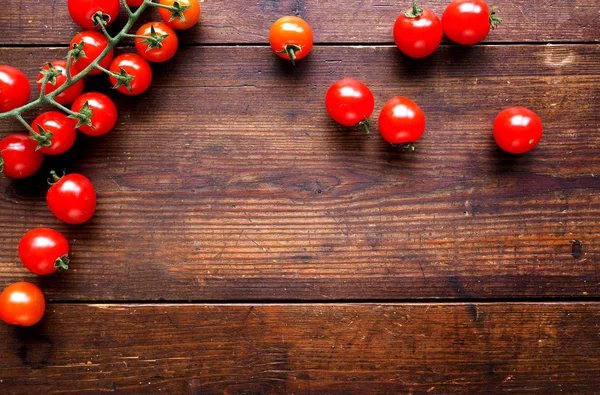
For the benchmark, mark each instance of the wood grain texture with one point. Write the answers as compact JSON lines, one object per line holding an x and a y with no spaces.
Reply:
{"x":238,"y":185}
{"x":356,"y":21}
{"x":304,"y":349}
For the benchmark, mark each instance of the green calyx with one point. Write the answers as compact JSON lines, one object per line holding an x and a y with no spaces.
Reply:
{"x":494,"y":19}
{"x":50,"y":74}
{"x":364,"y":124}
{"x":290,"y":50}
{"x":1,"y":164}
{"x":177,"y":11}
{"x":62,"y":262}
{"x":100,"y":19}
{"x":123,"y":79}
{"x":55,"y":178}
{"x":42,"y":137}
{"x":154,"y":40}
{"x":77,"y":52}
{"x":415,"y":12}
{"x":84,"y":117}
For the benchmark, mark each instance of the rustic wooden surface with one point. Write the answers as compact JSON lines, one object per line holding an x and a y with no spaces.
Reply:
{"x":237,"y":188}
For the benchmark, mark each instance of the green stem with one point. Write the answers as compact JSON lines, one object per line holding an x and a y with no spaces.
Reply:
{"x":62,"y":262}
{"x":112,"y":74}
{"x":126,"y":6}
{"x":137,"y":36}
{"x":25,"y":124}
{"x":364,"y":124}
{"x":415,"y":12}
{"x":63,"y":108}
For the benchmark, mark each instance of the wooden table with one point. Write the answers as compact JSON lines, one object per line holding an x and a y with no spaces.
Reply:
{"x":245,"y":243}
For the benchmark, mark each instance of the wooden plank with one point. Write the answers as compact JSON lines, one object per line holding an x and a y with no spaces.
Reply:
{"x":302,"y":349}
{"x":357,"y":21}
{"x":239,"y":186}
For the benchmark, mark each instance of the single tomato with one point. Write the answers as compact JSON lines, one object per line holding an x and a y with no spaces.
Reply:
{"x":72,"y":198}
{"x":22,"y":304}
{"x":87,"y":47}
{"x":350,"y":102}
{"x":161,"y":44}
{"x":291,"y":38}
{"x":418,"y":32}
{"x":70,"y":94}
{"x":103,"y":113}
{"x":14,"y":88}
{"x":517,"y":130}
{"x":43,"y":251}
{"x":183,"y":15}
{"x":18,"y":156}
{"x":55,"y":133}
{"x":401,"y":121}
{"x":135,"y":70}
{"x":468,"y":22}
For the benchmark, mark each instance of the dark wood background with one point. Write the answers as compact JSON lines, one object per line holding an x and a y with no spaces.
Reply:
{"x":245,"y":243}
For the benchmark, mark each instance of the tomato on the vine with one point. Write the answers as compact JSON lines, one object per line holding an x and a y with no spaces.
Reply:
{"x":418,"y":32}
{"x":291,"y":38}
{"x":134,"y":66}
{"x":18,"y":157}
{"x":43,"y":251}
{"x":87,"y":47}
{"x":22,"y":304}
{"x":83,"y":12}
{"x":103,"y":110}
{"x":70,"y":94}
{"x":186,"y":16}
{"x":72,"y":198}
{"x":350,"y":102}
{"x":55,"y":133}
{"x":517,"y":130}
{"x":14,"y":88}
{"x":401,"y":121}
{"x":161,"y":50}
{"x":468,"y":22}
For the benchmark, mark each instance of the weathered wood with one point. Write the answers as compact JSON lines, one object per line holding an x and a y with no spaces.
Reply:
{"x":239,"y":186}
{"x":356,"y":21}
{"x":302,"y":349}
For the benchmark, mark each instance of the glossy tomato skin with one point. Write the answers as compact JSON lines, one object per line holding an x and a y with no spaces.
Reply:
{"x":401,"y":121}
{"x":62,"y":129}
{"x":82,"y":11}
{"x":136,"y":66}
{"x":466,"y":22}
{"x":14,"y":88}
{"x":418,"y":37}
{"x":22,"y":304}
{"x":169,"y":44}
{"x":72,"y":199}
{"x":291,"y":30}
{"x":20,"y":157}
{"x":104,"y":116}
{"x":41,"y":248}
{"x":69,"y":95}
{"x":349,"y":102}
{"x":517,"y":130}
{"x":192,"y":14}
{"x":93,"y":44}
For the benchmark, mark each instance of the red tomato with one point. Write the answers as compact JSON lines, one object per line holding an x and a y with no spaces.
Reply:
{"x":72,"y":198}
{"x":291,"y":38}
{"x":161,"y":52}
{"x":401,"y":121}
{"x":104,"y":113}
{"x":22,"y":304}
{"x":69,"y":95}
{"x":136,"y":67}
{"x":134,"y":3}
{"x":418,"y":32}
{"x":468,"y":22}
{"x":93,"y":45}
{"x":187,"y":16}
{"x":43,"y":251}
{"x":517,"y":130}
{"x":14,"y":88}
{"x":350,"y":103}
{"x":57,"y":135}
{"x":18,"y":157}
{"x":83,"y":11}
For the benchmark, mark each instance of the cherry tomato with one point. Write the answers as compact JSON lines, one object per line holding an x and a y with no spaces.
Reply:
{"x":401,"y":121}
{"x":72,"y":198}
{"x":291,"y":38}
{"x":136,"y":67}
{"x":57,"y":134}
{"x":418,"y":32}
{"x":93,"y":45}
{"x":69,"y":95}
{"x":161,"y":52}
{"x":189,"y":10}
{"x":18,"y":157}
{"x":468,"y":22}
{"x":22,"y":304}
{"x":43,"y":251}
{"x":83,"y":11}
{"x":350,"y":103}
{"x":14,"y":88}
{"x":104,"y":113}
{"x":517,"y":130}
{"x":134,"y":3}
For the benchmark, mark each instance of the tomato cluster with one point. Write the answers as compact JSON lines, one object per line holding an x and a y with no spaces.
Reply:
{"x":72,"y":198}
